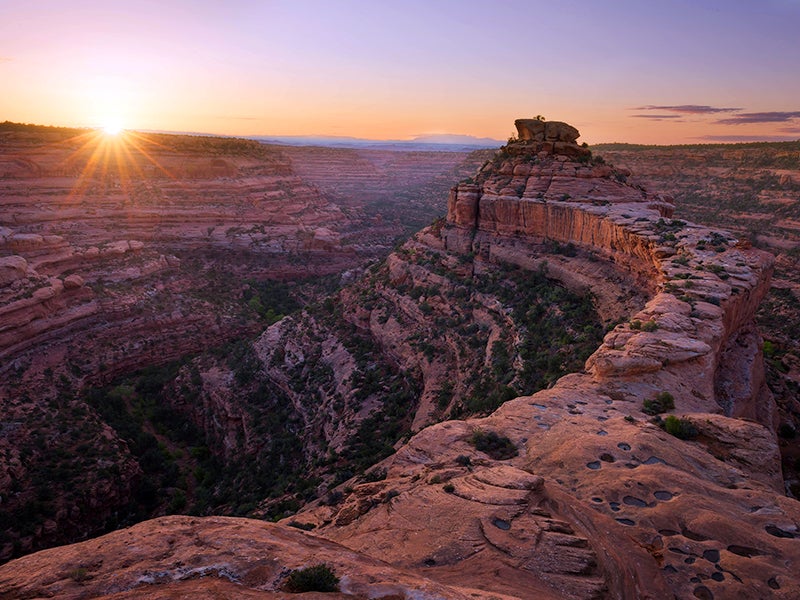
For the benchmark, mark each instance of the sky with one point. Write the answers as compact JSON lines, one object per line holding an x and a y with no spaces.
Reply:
{"x":639,"y":71}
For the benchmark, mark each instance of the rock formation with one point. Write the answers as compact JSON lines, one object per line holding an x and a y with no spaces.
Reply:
{"x":599,"y":500}
{"x":576,"y":491}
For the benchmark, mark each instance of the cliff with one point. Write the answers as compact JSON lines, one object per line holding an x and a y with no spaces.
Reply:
{"x":588,"y":497}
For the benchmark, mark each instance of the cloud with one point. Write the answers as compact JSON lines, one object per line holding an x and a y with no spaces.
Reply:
{"x":790,"y":130}
{"x":690,"y":109}
{"x":761,"y":117}
{"x":747,"y":138}
{"x":658,"y":117}
{"x":4,"y":59}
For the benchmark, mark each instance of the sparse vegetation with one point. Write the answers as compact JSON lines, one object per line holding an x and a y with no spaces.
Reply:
{"x":681,"y":428}
{"x":318,"y":578}
{"x":658,"y":405}
{"x":499,"y":447}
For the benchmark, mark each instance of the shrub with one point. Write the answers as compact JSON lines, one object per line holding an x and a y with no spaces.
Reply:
{"x":449,"y":488}
{"x":378,"y":474}
{"x":497,"y":446}
{"x":649,"y":326}
{"x":663,"y":402}
{"x":636,"y":324}
{"x":463,"y":460}
{"x":680,"y":428}
{"x":319,"y":578}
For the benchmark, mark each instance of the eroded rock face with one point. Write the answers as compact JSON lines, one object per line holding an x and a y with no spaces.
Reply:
{"x":545,"y":131}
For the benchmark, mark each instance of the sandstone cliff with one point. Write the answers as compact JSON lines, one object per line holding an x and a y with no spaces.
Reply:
{"x":588,"y":497}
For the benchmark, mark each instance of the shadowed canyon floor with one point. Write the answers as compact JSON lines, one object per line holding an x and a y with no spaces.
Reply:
{"x":575,"y":491}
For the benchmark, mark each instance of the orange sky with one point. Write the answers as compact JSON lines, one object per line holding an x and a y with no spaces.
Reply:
{"x":669,"y":72}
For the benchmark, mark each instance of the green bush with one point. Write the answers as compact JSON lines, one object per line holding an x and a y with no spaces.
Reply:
{"x":319,"y":578}
{"x":499,"y":447}
{"x":663,"y":402}
{"x":649,"y":326}
{"x":680,"y":428}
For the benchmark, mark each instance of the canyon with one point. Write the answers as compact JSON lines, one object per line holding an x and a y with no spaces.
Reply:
{"x":499,"y":481}
{"x":131,"y":251}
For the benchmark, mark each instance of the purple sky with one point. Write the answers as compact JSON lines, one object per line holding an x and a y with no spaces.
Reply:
{"x":658,"y":72}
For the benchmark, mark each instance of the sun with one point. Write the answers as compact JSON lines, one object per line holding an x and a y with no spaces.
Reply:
{"x":112,"y":129}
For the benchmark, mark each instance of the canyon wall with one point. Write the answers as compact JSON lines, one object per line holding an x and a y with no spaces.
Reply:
{"x":588,"y":496}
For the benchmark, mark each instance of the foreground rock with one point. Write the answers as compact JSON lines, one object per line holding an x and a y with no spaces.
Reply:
{"x":212,"y":557}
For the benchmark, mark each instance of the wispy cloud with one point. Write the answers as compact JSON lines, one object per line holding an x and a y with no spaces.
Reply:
{"x":747,"y":138}
{"x":658,"y":117}
{"x":4,"y":59}
{"x":790,"y":130}
{"x":689,"y":109}
{"x":761,"y":117}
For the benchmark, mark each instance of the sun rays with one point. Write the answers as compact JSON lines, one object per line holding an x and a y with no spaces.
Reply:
{"x":111,"y":159}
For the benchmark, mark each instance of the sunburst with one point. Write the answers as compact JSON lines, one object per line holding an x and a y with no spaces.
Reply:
{"x":112,"y":156}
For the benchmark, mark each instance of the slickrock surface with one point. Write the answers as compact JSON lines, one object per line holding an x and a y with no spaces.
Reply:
{"x":212,"y":557}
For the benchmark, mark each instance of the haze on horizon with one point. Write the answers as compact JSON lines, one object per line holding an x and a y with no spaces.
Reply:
{"x":678,"y":71}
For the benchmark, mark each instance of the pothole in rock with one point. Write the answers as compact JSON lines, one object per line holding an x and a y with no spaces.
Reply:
{"x":606,"y":457}
{"x":703,"y":593}
{"x":594,"y":465}
{"x":628,"y":522}
{"x":717,"y":576}
{"x":654,"y":460}
{"x":778,"y":532}
{"x":597,"y":499}
{"x":634,"y":501}
{"x":668,"y":532}
{"x":602,"y":432}
{"x":663,"y":495}
{"x":697,"y":537}
{"x":711,"y":555}
{"x":614,"y":506}
{"x":501,"y":524}
{"x":745,"y":551}
{"x":624,"y":446}
{"x":773,"y":583}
